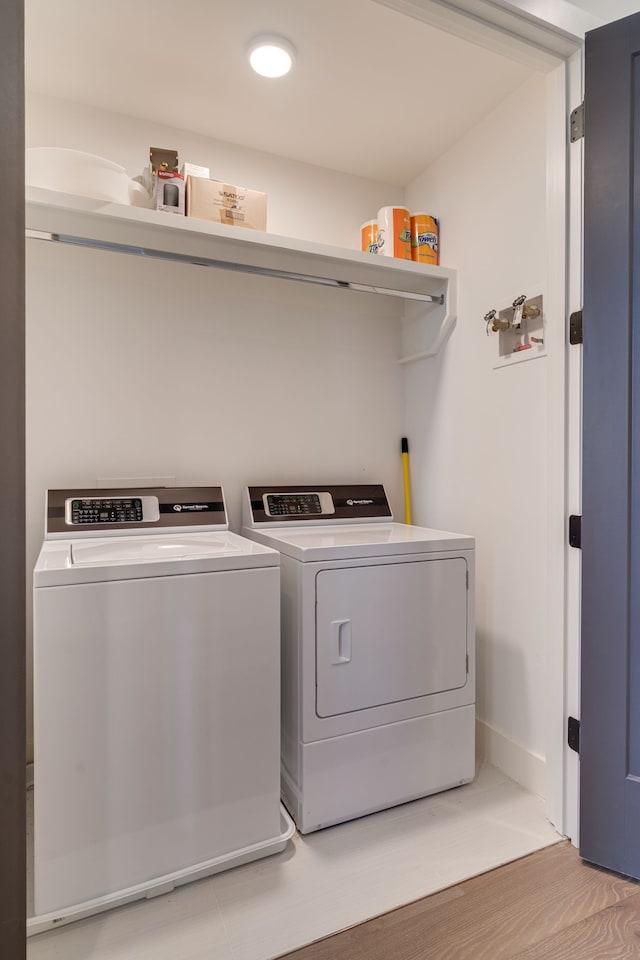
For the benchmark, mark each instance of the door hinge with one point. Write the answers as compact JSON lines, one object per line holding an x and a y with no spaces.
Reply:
{"x":467,"y":579}
{"x":576,"y":123}
{"x":575,"y":532}
{"x":575,"y":328}
{"x":573,"y":734}
{"x":467,"y":663}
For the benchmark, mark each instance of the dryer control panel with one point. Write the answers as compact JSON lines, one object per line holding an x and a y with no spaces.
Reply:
{"x":298,"y":504}
{"x":339,"y":503}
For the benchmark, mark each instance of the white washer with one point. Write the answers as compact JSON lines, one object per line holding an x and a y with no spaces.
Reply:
{"x":378,"y":651}
{"x":157,"y":689}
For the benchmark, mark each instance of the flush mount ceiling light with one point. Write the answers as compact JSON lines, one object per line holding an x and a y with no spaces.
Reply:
{"x":271,"y":56}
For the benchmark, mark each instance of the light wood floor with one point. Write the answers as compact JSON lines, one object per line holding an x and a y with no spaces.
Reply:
{"x":547,"y":906}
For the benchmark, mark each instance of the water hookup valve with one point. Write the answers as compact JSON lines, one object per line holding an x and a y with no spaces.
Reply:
{"x":520,"y":327}
{"x":496,"y":323}
{"x":521,"y":311}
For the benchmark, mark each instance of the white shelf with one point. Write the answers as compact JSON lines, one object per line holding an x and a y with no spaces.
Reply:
{"x":149,"y":233}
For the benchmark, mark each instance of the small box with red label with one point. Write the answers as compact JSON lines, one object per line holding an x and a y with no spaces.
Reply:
{"x":169,"y":192}
{"x":164,"y":184}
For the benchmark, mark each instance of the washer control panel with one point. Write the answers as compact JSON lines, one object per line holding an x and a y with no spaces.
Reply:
{"x":112,"y":510}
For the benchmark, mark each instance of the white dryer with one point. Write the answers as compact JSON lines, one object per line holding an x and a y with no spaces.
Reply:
{"x":157,"y":690}
{"x":378,"y":651}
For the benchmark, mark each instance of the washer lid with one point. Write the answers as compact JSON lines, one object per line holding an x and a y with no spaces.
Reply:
{"x":361,"y":540}
{"x":130,"y":558}
{"x":158,"y":548}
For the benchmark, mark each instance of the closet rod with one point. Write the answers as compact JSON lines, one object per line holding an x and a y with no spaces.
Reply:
{"x":236,"y":267}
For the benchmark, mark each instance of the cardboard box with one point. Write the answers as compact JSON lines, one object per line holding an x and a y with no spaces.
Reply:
{"x":226,"y":203}
{"x":193,"y":170}
{"x":165,"y":185}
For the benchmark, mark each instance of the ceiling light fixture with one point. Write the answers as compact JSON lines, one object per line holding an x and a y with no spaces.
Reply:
{"x":271,"y":56}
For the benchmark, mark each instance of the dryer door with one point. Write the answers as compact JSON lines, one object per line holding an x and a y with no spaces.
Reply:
{"x":389,"y":632}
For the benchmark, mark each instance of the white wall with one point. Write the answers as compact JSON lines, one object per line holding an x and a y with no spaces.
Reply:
{"x":142,"y":368}
{"x":303,"y":201}
{"x":137,"y":368}
{"x":479,"y":436}
{"x":242,"y":379}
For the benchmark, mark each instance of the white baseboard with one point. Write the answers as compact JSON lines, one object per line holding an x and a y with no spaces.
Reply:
{"x":519,"y":763}
{"x":522,"y":765}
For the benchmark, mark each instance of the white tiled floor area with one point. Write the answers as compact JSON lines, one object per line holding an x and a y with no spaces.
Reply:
{"x":321,"y":883}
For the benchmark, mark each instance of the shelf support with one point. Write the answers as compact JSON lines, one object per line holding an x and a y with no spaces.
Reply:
{"x":443,"y":334}
{"x":425,"y":332}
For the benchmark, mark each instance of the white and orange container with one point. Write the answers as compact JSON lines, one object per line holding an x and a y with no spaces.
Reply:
{"x":394,"y":232}
{"x":369,"y":236}
{"x":425,"y":238}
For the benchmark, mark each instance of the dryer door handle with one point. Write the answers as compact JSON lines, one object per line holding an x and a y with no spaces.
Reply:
{"x":340,"y":641}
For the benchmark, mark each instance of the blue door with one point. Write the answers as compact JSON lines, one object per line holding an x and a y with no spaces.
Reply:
{"x":610,"y":682}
